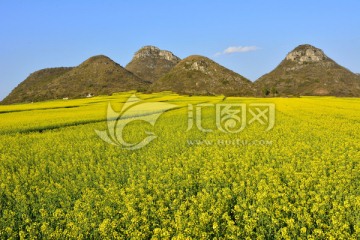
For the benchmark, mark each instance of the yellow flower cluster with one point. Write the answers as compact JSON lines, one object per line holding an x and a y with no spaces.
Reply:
{"x":59,"y":180}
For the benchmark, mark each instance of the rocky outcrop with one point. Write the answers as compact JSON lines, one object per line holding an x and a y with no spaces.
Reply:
{"x":306,"y":54}
{"x":154,"y":52}
{"x":150,"y":63}
{"x":200,"y":65}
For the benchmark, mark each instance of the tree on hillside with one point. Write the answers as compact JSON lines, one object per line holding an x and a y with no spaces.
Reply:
{"x":265,"y":91}
{"x":273,"y":91}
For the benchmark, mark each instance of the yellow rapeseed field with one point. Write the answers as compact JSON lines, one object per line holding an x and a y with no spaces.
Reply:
{"x":299,"y":180}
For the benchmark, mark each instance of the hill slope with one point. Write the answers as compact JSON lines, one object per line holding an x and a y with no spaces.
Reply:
{"x":150,"y":63}
{"x":34,"y":87}
{"x":199,"y":75}
{"x":98,"y":75}
{"x":308,"y":71}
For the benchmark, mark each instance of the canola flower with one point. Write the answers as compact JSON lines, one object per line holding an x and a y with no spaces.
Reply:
{"x":58,"y":179}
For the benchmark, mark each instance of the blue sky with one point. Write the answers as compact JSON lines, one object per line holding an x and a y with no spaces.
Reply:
{"x":249,"y":37}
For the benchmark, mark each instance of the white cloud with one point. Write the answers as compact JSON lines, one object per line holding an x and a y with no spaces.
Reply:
{"x":239,"y":49}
